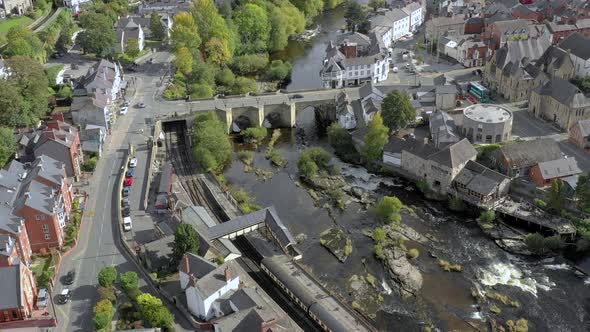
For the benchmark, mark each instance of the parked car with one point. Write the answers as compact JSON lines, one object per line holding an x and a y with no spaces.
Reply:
{"x":69,"y":278}
{"x":42,"y":298}
{"x":64,"y":296}
{"x":126,"y":211}
{"x":130,"y":173}
{"x":295,"y":96}
{"x":124,"y":110}
{"x":133,"y":162}
{"x":128,"y":182}
{"x":141,"y":105}
{"x":127,"y":224}
{"x":126,"y":191}
{"x":125,"y":201}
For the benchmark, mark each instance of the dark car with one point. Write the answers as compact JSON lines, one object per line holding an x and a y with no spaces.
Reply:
{"x":126,"y":191}
{"x":130,"y":173}
{"x":297,"y":96}
{"x":64,"y":296}
{"x":126,"y":211}
{"x":69,"y":278}
{"x":141,"y":105}
{"x":125,"y":201}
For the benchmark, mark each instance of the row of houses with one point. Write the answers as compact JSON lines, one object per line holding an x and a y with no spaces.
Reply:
{"x":355,"y":58}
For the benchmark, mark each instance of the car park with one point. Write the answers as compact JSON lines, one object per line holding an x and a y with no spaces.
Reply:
{"x":128,"y":182}
{"x":42,"y":298}
{"x":133,"y":162}
{"x":64,"y":296}
{"x":127,"y":224}
{"x":124,"y":110}
{"x":130,"y":173}
{"x":69,"y":278}
{"x":126,"y":191}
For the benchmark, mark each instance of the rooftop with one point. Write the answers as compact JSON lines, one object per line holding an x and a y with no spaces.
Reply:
{"x":529,"y":153}
{"x":487,"y":113}
{"x":559,"y":168}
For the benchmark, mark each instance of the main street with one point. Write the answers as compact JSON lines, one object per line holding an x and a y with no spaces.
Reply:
{"x":98,"y":245}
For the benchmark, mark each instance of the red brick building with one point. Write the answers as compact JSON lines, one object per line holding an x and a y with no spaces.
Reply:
{"x":14,"y":227}
{"x":546,"y":172}
{"x":8,"y":251}
{"x":19,"y":293}
{"x":525,"y":13}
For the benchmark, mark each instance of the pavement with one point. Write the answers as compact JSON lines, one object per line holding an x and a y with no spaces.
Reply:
{"x":98,"y":243}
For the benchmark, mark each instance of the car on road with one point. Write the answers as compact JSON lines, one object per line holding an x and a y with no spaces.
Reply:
{"x":124,"y":110}
{"x":42,"y":298}
{"x":125,"y":201}
{"x":64,"y":296}
{"x":130,"y":173}
{"x":127,"y":224}
{"x":141,"y":105}
{"x":69,"y":278}
{"x":126,"y":191}
{"x":128,"y":182}
{"x":395,"y":69}
{"x":296,"y":96}
{"x":133,"y":162}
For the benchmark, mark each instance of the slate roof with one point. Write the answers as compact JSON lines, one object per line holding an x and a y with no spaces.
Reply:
{"x":443,"y":128}
{"x":7,"y":243}
{"x":516,"y":51}
{"x":559,"y":168}
{"x":367,"y":89}
{"x":416,"y":147}
{"x":354,"y":38}
{"x":446,"y":89}
{"x":455,"y":154}
{"x":578,"y":45}
{"x":529,"y":153}
{"x":195,"y":265}
{"x":215,"y":280}
{"x":584,"y":126}
{"x":10,"y":287}
{"x":245,"y":298}
{"x":479,"y":178}
{"x":165,"y":178}
{"x":555,"y":56}
{"x":564,"y":92}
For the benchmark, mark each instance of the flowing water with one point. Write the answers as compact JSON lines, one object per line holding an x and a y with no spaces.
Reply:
{"x":552,"y":298}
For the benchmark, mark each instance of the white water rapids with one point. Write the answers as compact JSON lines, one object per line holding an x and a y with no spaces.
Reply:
{"x":510,"y":275}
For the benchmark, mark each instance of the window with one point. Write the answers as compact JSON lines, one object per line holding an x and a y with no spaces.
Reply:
{"x":40,"y":217}
{"x":47,"y":236}
{"x":45,"y":228}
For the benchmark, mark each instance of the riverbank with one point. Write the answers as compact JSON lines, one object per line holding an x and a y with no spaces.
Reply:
{"x":550,"y":294}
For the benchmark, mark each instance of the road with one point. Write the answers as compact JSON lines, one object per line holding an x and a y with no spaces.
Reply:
{"x":98,"y":245}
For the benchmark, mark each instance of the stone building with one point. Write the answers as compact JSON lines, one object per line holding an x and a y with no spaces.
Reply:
{"x":580,"y":134}
{"x":517,"y":159}
{"x":14,"y":7}
{"x":561,"y":102}
{"x":486,"y":123}
{"x":479,"y":185}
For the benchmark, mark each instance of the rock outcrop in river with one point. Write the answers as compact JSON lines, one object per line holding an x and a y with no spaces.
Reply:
{"x":337,"y":242}
{"x":408,"y":279}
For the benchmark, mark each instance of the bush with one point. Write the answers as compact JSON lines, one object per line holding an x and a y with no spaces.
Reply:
{"x":540,"y":245}
{"x":246,"y":156}
{"x":413,"y":253}
{"x":540,"y":203}
{"x":423,"y":186}
{"x":521,"y":325}
{"x":244,"y":200}
{"x":102,"y":321}
{"x":278,"y":70}
{"x":341,"y":140}
{"x":487,"y":216}
{"x":107,"y":276}
{"x":249,"y":64}
{"x":379,"y":235}
{"x":254,"y":135}
{"x":133,"y":294}
{"x":456,"y":204}
{"x":276,"y":159}
{"x":312,"y":161}
{"x":379,"y":252}
{"x":90,"y":165}
{"x":212,"y":146}
{"x":389,"y":209}
{"x":129,"y":280}
{"x":175,"y":91}
{"x":199,"y":90}
{"x":107,"y":293}
{"x":225,"y":77}
{"x":243,"y":85}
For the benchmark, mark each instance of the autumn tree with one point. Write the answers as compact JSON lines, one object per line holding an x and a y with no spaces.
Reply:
{"x":185,"y":33}
{"x":184,"y":60}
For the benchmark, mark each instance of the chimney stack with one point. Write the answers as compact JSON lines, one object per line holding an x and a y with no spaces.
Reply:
{"x":227,"y":273}
{"x":185,"y":264}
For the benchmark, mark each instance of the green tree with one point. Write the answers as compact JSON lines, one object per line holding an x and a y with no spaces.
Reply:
{"x":341,"y":141}
{"x":536,"y":243}
{"x":104,"y":305}
{"x":379,"y":235}
{"x":354,"y":15}
{"x":582,"y":192}
{"x":157,"y":29}
{"x":217,"y":52}
{"x":185,"y":33}
{"x":376,"y":4}
{"x":278,"y":70}
{"x":397,"y":110}
{"x":186,"y":239}
{"x":556,"y":201}
{"x":129,"y":280}
{"x":107,"y":276}
{"x":154,"y":312}
{"x":10,"y":104}
{"x":29,"y":78}
{"x":253,"y":28}
{"x":184,"y":60}
{"x":312,"y":161}
{"x":487,"y":216}
{"x":213,"y":148}
{"x":255,"y":135}
{"x":225,"y":77}
{"x":21,"y":41}
{"x":211,"y":24}
{"x":249,"y":64}
{"x":132,"y":47}
{"x":456,"y":204}
{"x":243,"y":85}
{"x":8,"y":146}
{"x":102,"y":321}
{"x":199,"y":90}
{"x":375,"y":139}
{"x":97,"y":34}
{"x":311,"y":8}
{"x":389,"y":208}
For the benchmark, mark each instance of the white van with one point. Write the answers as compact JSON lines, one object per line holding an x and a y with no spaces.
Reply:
{"x":127,"y":225}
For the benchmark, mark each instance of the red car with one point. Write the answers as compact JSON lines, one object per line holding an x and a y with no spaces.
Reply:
{"x":128,"y":182}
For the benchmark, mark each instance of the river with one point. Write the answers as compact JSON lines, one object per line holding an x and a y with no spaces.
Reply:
{"x":552,"y":298}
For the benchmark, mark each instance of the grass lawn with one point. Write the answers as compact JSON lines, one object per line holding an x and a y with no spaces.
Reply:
{"x":5,"y":25}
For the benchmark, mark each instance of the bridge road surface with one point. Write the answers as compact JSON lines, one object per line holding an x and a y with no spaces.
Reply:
{"x":98,"y":245}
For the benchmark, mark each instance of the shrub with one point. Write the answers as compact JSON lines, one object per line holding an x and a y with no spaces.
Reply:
{"x":199,"y":90}
{"x":456,"y":204}
{"x":423,"y":186}
{"x":389,"y":209}
{"x":254,"y":135}
{"x":540,"y":203}
{"x":249,"y":64}
{"x":246,"y":156}
{"x":107,"y":276}
{"x":413,"y":253}
{"x":175,"y":91}
{"x":341,"y":140}
{"x":379,"y":235}
{"x":225,"y":77}
{"x":379,"y":252}
{"x":90,"y":165}
{"x":133,"y":294}
{"x":487,"y":216}
{"x":312,"y":161}
{"x":277,"y":159}
{"x":107,"y":293}
{"x":244,"y":200}
{"x":129,"y":280}
{"x":278,"y":70}
{"x":102,"y":320}
{"x":243,"y":85}
{"x":521,"y":325}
